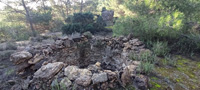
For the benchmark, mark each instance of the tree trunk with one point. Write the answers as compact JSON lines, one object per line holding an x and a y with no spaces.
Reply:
{"x":81,"y":8}
{"x":67,"y":4}
{"x":29,"y":19}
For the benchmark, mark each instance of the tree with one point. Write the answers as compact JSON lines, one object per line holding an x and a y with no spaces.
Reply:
{"x":29,"y":18}
{"x":10,"y":4}
{"x":81,"y":6}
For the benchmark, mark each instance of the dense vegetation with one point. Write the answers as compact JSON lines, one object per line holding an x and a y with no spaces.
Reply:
{"x":83,"y":22}
{"x":175,"y":23}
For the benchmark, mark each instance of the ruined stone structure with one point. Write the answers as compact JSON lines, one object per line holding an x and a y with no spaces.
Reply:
{"x":81,"y":63}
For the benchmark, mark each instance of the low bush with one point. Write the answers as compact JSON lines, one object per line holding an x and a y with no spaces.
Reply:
{"x":160,"y":48}
{"x":83,"y":22}
{"x":170,"y":60}
{"x":147,"y":59}
{"x":146,"y":56}
{"x":155,"y":28}
{"x":71,"y":28}
{"x":146,"y":67}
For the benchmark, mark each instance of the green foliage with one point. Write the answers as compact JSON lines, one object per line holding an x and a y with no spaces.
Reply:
{"x":161,"y":21}
{"x":146,"y":67}
{"x":170,"y":60}
{"x":123,"y":26}
{"x":71,"y":28}
{"x":147,"y":61}
{"x":160,"y":48}
{"x":42,"y":17}
{"x":146,"y":56}
{"x":83,"y":18}
{"x":9,"y":30}
{"x":83,"y":22}
{"x":88,"y":35}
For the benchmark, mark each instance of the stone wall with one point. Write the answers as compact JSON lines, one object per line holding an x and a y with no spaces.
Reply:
{"x":95,"y":63}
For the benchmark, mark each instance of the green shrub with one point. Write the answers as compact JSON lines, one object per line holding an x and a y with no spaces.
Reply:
{"x":83,"y":18}
{"x":146,"y":56}
{"x":9,"y":31}
{"x":71,"y":28}
{"x":83,"y":22}
{"x":170,"y":60}
{"x":146,"y":67}
{"x":147,"y":59}
{"x":160,"y":48}
{"x":187,"y":43}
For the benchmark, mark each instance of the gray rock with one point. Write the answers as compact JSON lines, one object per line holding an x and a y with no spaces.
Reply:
{"x":49,"y":70}
{"x":111,"y":75}
{"x":36,"y":59}
{"x":141,"y":82}
{"x":65,"y":82}
{"x":83,"y":80}
{"x":73,"y":72}
{"x":20,"y":57}
{"x":99,"y":77}
{"x":11,"y":82}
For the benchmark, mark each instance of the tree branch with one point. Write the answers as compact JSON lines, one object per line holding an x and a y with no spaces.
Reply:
{"x":14,"y":9}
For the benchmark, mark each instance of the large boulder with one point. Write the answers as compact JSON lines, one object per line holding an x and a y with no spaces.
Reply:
{"x":20,"y":57}
{"x":99,"y":77}
{"x":49,"y":70}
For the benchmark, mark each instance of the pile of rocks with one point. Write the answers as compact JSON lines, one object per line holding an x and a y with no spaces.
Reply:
{"x":82,"y":63}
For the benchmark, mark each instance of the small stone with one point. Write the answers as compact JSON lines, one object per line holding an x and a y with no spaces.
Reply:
{"x":141,"y":82}
{"x":83,"y":80}
{"x":20,"y":57}
{"x":111,"y":75}
{"x":26,"y":83}
{"x":133,"y":41}
{"x":67,"y":43}
{"x":99,"y":77}
{"x":16,"y":87}
{"x":130,"y":36}
{"x":66,"y":82}
{"x":138,"y":43}
{"x":85,"y":72}
{"x":49,"y":70}
{"x":72,"y":72}
{"x":98,"y":64}
{"x":132,"y":69}
{"x":93,"y":68}
{"x":36,"y":59}
{"x":22,"y":67}
{"x":125,"y":77}
{"x":125,"y":39}
{"x":11,"y":82}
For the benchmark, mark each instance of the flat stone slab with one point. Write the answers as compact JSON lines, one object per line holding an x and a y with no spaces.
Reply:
{"x":20,"y":57}
{"x":49,"y":70}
